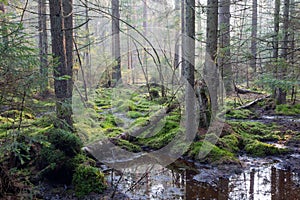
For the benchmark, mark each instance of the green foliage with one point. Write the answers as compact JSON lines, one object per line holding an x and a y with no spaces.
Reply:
{"x":87,"y":179}
{"x":271,"y":82}
{"x":286,"y":109}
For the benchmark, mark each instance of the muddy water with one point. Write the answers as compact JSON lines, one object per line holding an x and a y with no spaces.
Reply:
{"x":259,"y":179}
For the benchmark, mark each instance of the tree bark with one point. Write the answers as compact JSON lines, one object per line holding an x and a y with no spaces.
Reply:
{"x":116,"y":71}
{"x":43,"y":45}
{"x":224,"y":44}
{"x":62,"y":52}
{"x":210,"y":68}
{"x":281,"y":96}
{"x":189,"y":67}
{"x":254,"y":36}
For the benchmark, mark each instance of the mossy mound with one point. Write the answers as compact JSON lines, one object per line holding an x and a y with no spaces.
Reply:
{"x":240,"y":114}
{"x":56,"y":156}
{"x":87,"y":179}
{"x":204,"y":151}
{"x":286,"y":109}
{"x":261,"y":149}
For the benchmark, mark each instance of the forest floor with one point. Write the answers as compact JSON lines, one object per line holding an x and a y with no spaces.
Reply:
{"x":263,"y":129}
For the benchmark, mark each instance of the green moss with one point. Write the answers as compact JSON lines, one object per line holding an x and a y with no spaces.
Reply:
{"x":113,"y":132}
{"x":286,"y":109}
{"x":257,"y":148}
{"x":253,"y":129}
{"x":128,"y":145}
{"x":161,"y":139}
{"x":211,"y":153}
{"x":239,"y":114}
{"x":15,"y":114}
{"x":87,"y":179}
{"x":134,"y":114}
{"x":65,"y":141}
{"x":230,"y":143}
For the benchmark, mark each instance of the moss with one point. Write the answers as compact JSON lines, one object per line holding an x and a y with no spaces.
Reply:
{"x":286,"y":109}
{"x":260,"y":149}
{"x":240,"y":114}
{"x":230,"y":142}
{"x":113,"y":132}
{"x":124,"y":106}
{"x":128,"y":145}
{"x":134,"y":114}
{"x":213,"y":154}
{"x":110,"y":121}
{"x":161,"y":139}
{"x":255,"y":129}
{"x":87,"y":179}
{"x":15,"y":114}
{"x":65,"y":141}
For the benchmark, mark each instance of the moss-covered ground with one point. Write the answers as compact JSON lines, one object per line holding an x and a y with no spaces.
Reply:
{"x":136,"y":122}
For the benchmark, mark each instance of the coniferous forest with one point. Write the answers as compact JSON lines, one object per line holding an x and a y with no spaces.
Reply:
{"x":150,"y":99}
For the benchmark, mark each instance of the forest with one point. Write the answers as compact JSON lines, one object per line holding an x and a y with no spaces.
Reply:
{"x":150,"y":99}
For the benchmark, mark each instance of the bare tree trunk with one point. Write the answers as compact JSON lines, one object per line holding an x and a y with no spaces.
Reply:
{"x":182,"y":36}
{"x":281,"y":96}
{"x":189,"y":67}
{"x":3,"y":25}
{"x":43,"y":45}
{"x":87,"y":55}
{"x":254,"y":36}
{"x":63,"y":69}
{"x":276,"y":41}
{"x":210,"y":69}
{"x":224,"y":44}
{"x":116,"y":71}
{"x":68,"y":25}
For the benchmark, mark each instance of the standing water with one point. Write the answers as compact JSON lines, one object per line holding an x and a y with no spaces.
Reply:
{"x":259,"y":179}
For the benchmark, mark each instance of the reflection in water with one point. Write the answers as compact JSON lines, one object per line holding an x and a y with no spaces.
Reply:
{"x":265,"y":183}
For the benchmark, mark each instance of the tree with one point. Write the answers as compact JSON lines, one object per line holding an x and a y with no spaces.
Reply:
{"x":210,"y":69}
{"x":254,"y":36}
{"x":43,"y":45}
{"x":281,"y":95}
{"x":61,"y":36}
{"x":275,"y":40}
{"x":116,"y":70}
{"x":189,"y":65}
{"x":224,"y":62}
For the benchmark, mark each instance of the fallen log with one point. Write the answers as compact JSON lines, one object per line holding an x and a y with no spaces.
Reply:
{"x":244,"y":91}
{"x":252,"y":103}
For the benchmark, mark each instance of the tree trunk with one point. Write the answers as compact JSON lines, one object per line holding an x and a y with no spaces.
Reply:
{"x":210,"y":69}
{"x":276,"y":42}
{"x":189,"y":67}
{"x":87,"y":55}
{"x":4,"y":31}
{"x":68,"y":26}
{"x":224,"y":44}
{"x":63,"y":68}
{"x":116,"y":70}
{"x":254,"y":36}
{"x":281,"y":96}
{"x":182,"y":36}
{"x":43,"y":45}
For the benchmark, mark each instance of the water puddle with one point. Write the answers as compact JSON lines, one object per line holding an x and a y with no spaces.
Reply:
{"x":259,"y":179}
